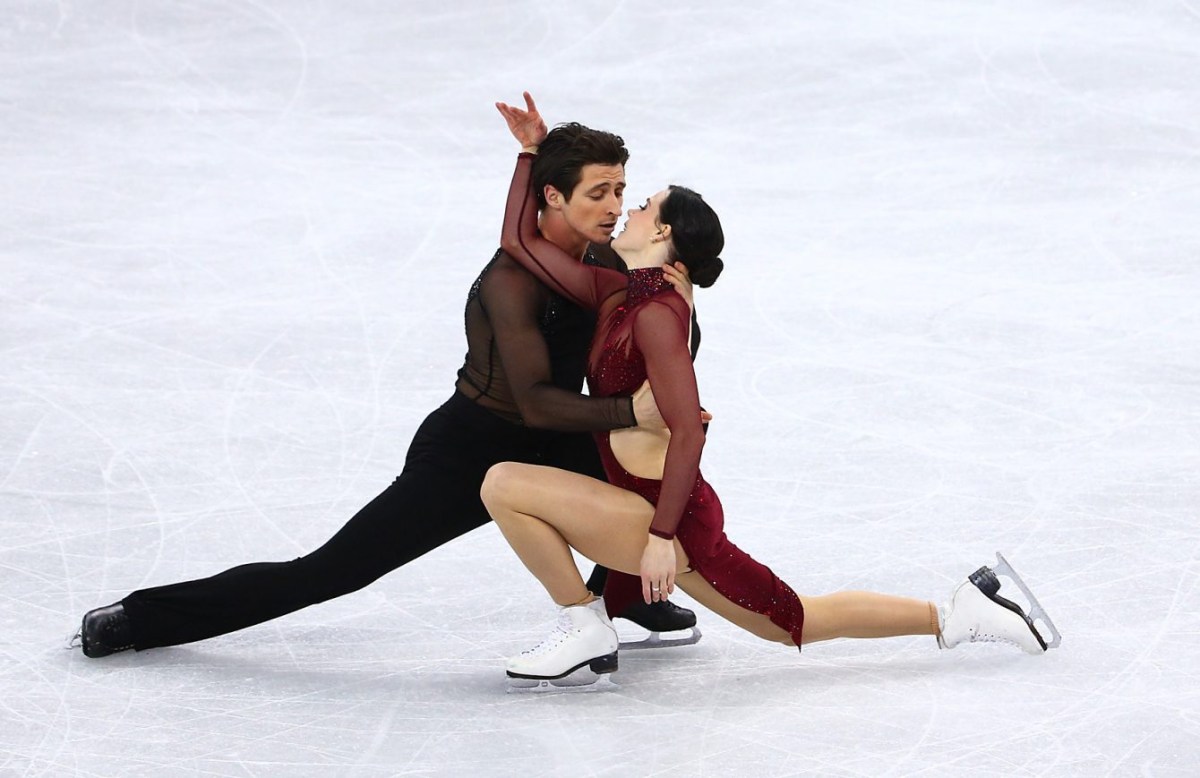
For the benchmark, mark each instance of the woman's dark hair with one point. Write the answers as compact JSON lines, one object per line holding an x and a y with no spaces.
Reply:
{"x":564,"y":152}
{"x":696,"y":235}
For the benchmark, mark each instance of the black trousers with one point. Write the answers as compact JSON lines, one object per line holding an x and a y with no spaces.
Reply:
{"x":434,"y":500}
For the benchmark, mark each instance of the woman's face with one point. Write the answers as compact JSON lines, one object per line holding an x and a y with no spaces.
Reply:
{"x":641,"y":224}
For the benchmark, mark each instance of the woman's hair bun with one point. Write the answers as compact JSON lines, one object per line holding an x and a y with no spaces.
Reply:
{"x":705,"y":274}
{"x":696,"y":236}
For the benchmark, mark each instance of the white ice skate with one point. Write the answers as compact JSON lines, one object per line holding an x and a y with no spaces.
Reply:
{"x":977,"y":613}
{"x":577,"y":655}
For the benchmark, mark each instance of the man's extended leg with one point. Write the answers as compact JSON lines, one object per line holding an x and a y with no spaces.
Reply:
{"x":411,"y":517}
{"x":435,"y":499}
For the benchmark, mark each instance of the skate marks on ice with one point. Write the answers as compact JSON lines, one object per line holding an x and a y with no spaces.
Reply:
{"x":978,"y":327}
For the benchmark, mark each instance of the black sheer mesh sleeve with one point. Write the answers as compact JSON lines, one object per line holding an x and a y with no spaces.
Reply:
{"x":661,"y":333}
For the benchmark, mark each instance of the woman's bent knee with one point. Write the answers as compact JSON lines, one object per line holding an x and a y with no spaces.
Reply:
{"x":500,"y":484}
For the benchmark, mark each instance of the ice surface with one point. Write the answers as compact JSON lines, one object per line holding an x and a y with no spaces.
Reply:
{"x":959,"y":316}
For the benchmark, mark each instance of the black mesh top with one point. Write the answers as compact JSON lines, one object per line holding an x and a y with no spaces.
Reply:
{"x":527,"y":348}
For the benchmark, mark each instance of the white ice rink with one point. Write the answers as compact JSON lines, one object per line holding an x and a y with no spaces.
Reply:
{"x":959,"y":315}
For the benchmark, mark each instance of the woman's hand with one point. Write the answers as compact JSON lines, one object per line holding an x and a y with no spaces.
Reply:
{"x":658,"y":569}
{"x":526,"y":126}
{"x":677,"y":276}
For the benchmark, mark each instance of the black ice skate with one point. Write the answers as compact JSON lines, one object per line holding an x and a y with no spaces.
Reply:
{"x":977,"y":613}
{"x":658,"y":618}
{"x":105,"y":631}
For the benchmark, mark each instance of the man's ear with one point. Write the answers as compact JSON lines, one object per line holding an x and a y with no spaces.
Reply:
{"x":554,"y":198}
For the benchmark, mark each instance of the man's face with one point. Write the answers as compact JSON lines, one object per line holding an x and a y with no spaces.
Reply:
{"x":595,"y":204}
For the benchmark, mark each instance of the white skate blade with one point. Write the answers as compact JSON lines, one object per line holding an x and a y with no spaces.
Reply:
{"x":1037,"y":614}
{"x":679,"y":637}
{"x":74,"y":641}
{"x":581,"y":681}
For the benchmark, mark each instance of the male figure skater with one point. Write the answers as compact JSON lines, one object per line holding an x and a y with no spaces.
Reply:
{"x":517,"y":398}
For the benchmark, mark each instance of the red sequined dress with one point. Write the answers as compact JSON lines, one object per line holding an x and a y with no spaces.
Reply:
{"x":642,"y":332}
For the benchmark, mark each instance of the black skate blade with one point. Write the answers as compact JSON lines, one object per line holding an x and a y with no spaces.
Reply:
{"x":681,"y":637}
{"x":583,"y":679}
{"x":579,"y":684}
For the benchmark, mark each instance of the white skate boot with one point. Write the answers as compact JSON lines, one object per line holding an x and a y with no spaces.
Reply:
{"x":976,"y":613}
{"x":582,"y":638}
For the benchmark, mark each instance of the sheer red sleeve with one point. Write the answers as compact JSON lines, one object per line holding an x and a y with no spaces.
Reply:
{"x":585,"y":285}
{"x":661,"y":333}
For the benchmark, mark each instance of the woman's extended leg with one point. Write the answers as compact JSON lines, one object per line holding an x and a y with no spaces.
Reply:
{"x":542,"y":510}
{"x":866,"y":615}
{"x":829,"y":616}
{"x":838,"y":615}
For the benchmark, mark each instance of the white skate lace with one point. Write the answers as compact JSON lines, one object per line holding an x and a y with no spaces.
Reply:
{"x":562,"y":630}
{"x":975,"y":636}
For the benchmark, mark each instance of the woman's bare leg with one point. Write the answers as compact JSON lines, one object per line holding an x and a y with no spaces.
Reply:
{"x":838,"y":615}
{"x":544,"y":511}
{"x":866,"y":615}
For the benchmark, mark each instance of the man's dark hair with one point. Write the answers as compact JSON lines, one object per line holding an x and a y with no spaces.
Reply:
{"x":696,"y":235}
{"x":564,"y":152}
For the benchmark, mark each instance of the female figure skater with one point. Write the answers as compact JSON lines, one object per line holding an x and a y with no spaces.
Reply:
{"x":657,"y":516}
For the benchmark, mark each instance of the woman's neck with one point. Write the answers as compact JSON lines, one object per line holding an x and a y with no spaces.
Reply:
{"x":653,"y":256}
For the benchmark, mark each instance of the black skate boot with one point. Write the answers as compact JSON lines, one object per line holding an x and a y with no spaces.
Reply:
{"x":105,"y":631}
{"x":657,"y":618}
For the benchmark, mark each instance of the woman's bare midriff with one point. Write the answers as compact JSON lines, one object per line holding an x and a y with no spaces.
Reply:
{"x":641,"y":452}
